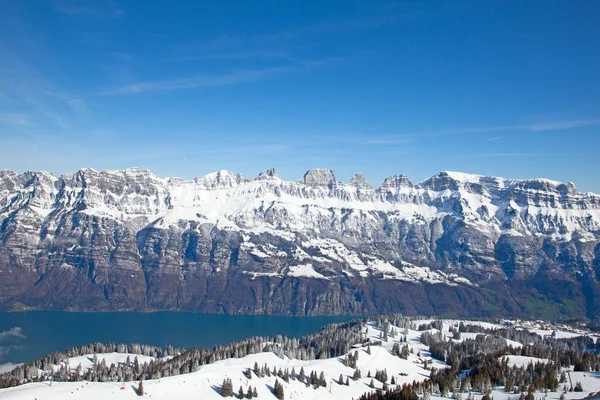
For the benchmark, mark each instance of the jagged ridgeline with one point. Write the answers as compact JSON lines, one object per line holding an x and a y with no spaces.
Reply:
{"x":330,"y":341}
{"x":454,"y":245}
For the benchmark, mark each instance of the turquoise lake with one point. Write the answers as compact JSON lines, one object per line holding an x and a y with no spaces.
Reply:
{"x":25,"y":336}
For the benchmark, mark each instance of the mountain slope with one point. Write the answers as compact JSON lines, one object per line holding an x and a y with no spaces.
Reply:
{"x":457,"y":244}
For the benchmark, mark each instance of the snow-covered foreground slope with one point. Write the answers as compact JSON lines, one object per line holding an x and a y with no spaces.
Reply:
{"x":206,"y":382}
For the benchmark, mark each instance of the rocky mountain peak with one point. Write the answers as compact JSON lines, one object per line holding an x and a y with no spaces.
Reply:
{"x":447,"y":180}
{"x":268,"y":174}
{"x":319,"y":177}
{"x":359,"y":181}
{"x":396,"y":181}
{"x":220,"y":179}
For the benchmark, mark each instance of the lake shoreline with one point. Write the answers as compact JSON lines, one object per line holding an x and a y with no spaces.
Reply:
{"x":27,"y":335}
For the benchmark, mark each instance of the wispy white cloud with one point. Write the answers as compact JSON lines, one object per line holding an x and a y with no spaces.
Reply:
{"x":16,"y":119}
{"x":495,"y":138}
{"x":158,"y":35}
{"x":561,"y":125}
{"x":521,"y":154}
{"x":531,"y":127}
{"x":390,"y":141}
{"x":225,"y":79}
{"x":123,"y":56}
{"x":108,"y":10}
{"x":26,"y":88}
{"x":245,"y":43}
{"x":330,"y":27}
{"x":236,"y":56}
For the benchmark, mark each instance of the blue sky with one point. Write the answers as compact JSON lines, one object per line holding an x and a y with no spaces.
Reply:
{"x":507,"y":88}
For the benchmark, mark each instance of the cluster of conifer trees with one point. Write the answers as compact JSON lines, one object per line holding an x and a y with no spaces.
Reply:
{"x":484,"y":357}
{"x":227,"y":390}
{"x":330,"y":341}
{"x":314,"y":378}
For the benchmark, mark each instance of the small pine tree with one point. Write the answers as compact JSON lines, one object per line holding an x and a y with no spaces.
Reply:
{"x":140,"y":389}
{"x":369,"y":349}
{"x":356,"y":375}
{"x":255,"y":392}
{"x":372,"y":384}
{"x":322,"y":380}
{"x":347,"y":381}
{"x":241,"y":393}
{"x":227,"y":388}
{"x":278,"y":390}
{"x":341,"y":380}
{"x":393,"y":380}
{"x":369,"y":374}
{"x":250,"y":393}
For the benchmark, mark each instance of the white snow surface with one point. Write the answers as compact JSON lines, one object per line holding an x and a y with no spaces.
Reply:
{"x":523,"y":361}
{"x":306,"y":270}
{"x":205,"y":382}
{"x":230,"y":200}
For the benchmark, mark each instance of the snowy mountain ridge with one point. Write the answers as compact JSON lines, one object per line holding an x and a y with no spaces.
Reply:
{"x":134,"y":193}
{"x":454,"y":228}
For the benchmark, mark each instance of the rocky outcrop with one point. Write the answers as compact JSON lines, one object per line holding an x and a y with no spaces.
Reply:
{"x":457,"y":244}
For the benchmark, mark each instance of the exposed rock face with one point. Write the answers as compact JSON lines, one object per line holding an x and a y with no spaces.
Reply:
{"x":457,"y":244}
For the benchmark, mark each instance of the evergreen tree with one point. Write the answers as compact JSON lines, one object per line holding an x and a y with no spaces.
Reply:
{"x":140,"y":389}
{"x":372,"y":384}
{"x":341,"y":380}
{"x":241,"y":393}
{"x":278,"y":390}
{"x":322,"y":380}
{"x":227,"y":388}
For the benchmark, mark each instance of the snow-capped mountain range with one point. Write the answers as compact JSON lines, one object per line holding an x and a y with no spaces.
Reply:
{"x":454,"y":244}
